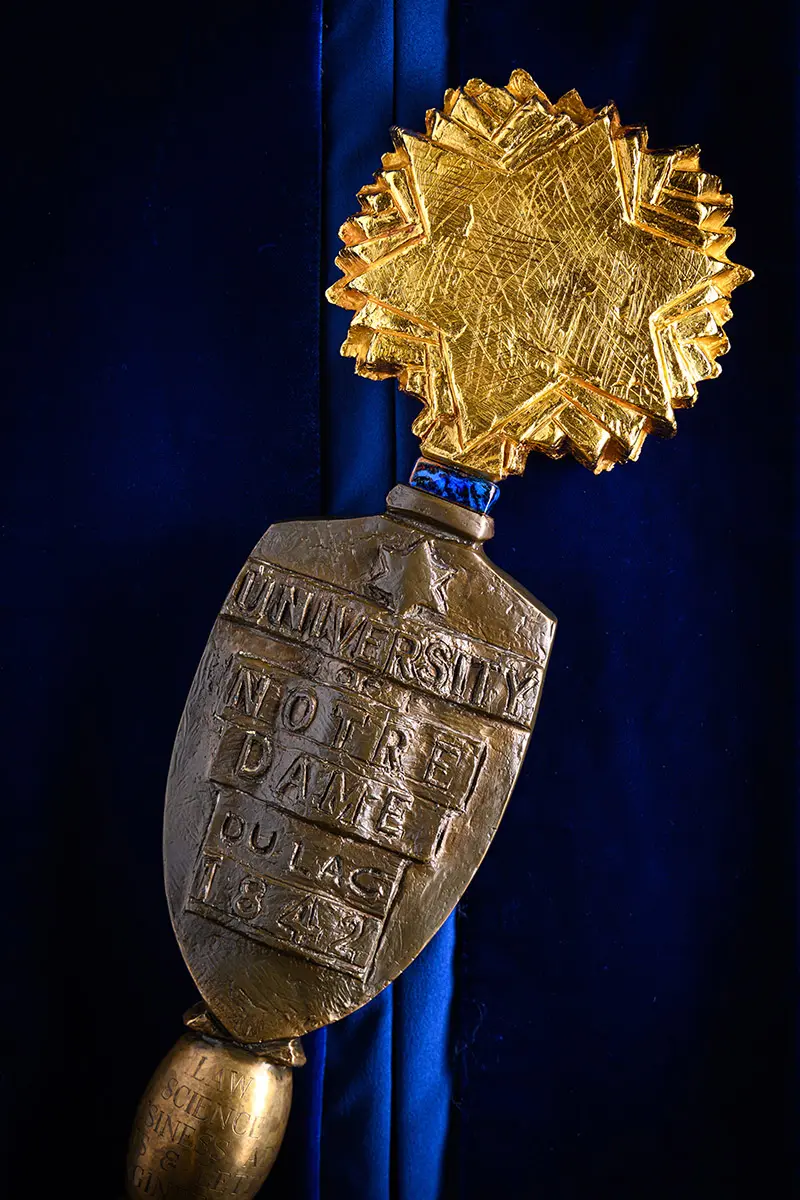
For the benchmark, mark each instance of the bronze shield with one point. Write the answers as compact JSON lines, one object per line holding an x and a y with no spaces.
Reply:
{"x":348,"y":746}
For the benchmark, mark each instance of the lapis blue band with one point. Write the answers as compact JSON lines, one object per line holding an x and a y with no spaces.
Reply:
{"x":460,"y":487}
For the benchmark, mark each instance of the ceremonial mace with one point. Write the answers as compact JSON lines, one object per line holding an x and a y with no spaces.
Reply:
{"x":540,"y":280}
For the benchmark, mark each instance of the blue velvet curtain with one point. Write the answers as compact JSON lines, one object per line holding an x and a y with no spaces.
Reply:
{"x":384,"y":1072}
{"x":608,"y":1013}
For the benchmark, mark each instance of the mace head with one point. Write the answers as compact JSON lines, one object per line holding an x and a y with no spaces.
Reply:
{"x":538,"y":278}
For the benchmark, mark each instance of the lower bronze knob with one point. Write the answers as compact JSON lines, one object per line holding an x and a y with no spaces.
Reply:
{"x":210,"y":1123}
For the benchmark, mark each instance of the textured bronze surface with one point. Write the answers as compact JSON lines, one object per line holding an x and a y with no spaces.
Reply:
{"x":348,"y":747}
{"x":538,"y":278}
{"x":421,"y":506}
{"x":210,"y":1123}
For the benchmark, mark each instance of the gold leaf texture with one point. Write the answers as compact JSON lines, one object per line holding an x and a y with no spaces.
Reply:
{"x":538,"y":278}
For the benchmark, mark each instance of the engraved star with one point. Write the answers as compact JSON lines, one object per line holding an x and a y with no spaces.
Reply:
{"x":539,"y":278}
{"x":412,"y":576}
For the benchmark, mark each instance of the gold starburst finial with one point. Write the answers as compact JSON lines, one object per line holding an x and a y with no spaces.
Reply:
{"x":538,"y":278}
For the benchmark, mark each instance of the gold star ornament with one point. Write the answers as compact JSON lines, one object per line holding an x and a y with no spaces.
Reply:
{"x":539,"y":278}
{"x":405,"y":577}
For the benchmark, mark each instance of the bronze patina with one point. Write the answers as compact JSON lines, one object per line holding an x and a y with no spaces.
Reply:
{"x":540,"y":280}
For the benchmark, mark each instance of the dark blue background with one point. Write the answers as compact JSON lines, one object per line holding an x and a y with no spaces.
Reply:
{"x":620,"y":1020}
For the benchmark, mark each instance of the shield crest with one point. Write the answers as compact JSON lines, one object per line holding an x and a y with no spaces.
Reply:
{"x":347,"y":749}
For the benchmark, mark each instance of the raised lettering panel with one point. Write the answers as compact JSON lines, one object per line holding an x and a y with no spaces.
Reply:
{"x":346,"y":801}
{"x":265,"y":840}
{"x":450,"y":665}
{"x":437,"y":763}
{"x":288,"y":918}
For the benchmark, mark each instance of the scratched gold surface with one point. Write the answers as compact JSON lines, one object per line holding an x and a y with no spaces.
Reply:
{"x":539,"y":278}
